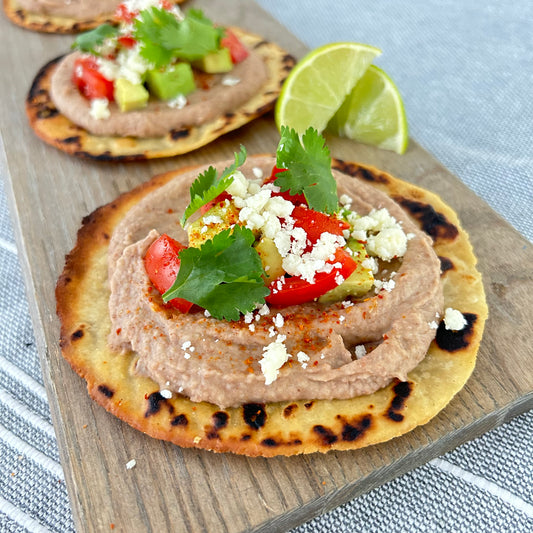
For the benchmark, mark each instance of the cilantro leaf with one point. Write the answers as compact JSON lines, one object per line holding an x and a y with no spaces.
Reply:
{"x":308,"y":165}
{"x":222,"y":276}
{"x":207,"y":187}
{"x":163,"y":37}
{"x":88,"y":41}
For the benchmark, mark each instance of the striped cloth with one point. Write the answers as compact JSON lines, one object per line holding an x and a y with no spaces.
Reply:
{"x":466,"y":72}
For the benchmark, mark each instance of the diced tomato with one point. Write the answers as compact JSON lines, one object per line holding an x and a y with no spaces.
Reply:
{"x":237,"y":50}
{"x":162,"y":265}
{"x":90,"y":81}
{"x":295,"y":290}
{"x":127,"y":41}
{"x":315,"y":223}
{"x":296,"y":199}
{"x":122,"y":13}
{"x":220,"y":198}
{"x":166,"y":4}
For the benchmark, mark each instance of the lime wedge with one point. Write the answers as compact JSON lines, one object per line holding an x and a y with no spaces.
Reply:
{"x":373,"y":113}
{"x":319,"y":84}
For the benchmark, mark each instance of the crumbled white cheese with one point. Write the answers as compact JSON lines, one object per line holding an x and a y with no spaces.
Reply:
{"x":345,"y":201}
{"x":387,"y":244}
{"x":433,"y":324}
{"x":178,"y":102}
{"x":230,"y":81}
{"x":130,"y":464}
{"x":239,"y":186}
{"x":165,"y":393}
{"x":384,"y":285}
{"x":186,"y":345}
{"x":258,"y":172}
{"x":278,"y":320}
{"x":454,"y":319}
{"x":275,"y":355}
{"x":360,"y":351}
{"x":212,"y":219}
{"x":100,"y":109}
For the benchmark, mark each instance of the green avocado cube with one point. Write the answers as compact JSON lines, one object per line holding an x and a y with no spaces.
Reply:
{"x":130,"y":96}
{"x":358,"y":283}
{"x":171,"y":82}
{"x":215,"y":62}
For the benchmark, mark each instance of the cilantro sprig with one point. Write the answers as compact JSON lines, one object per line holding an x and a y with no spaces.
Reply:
{"x":207,"y":186}
{"x":308,"y":165}
{"x":222,"y":276}
{"x":90,"y":40}
{"x":163,"y":37}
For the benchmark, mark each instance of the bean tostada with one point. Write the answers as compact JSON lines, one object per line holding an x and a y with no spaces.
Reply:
{"x":289,"y":304}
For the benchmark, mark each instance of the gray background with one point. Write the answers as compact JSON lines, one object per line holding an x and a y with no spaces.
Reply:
{"x":465,"y":70}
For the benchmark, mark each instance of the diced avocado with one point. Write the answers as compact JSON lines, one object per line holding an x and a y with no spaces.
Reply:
{"x":271,"y":258}
{"x":215,"y":62}
{"x":358,"y":283}
{"x":220,"y":217}
{"x":130,"y":96}
{"x":169,"y":83}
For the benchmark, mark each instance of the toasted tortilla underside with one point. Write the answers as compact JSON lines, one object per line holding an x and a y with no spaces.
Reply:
{"x":55,"y":129}
{"x":284,"y":428}
{"x":53,"y":24}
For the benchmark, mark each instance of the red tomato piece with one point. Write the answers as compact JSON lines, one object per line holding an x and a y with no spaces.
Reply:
{"x":295,"y":290}
{"x":223,"y":196}
{"x":315,"y":223}
{"x":127,"y":41}
{"x":237,"y":50}
{"x":90,"y":81}
{"x":296,"y":199}
{"x":124,"y":14}
{"x":162,"y":265}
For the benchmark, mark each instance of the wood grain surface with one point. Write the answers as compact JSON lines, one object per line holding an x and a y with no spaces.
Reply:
{"x":173,"y":489}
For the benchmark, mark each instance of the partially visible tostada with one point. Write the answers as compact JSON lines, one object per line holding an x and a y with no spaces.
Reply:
{"x":161,"y":83}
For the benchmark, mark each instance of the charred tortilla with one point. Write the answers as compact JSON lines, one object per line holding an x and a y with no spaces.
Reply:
{"x":283,"y":428}
{"x":57,"y":130}
{"x":54,"y":24}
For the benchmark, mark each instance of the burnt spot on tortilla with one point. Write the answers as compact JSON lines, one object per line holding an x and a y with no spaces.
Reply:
{"x":452,"y":341}
{"x":179,"y":420}
{"x":309,"y":405}
{"x":45,"y":112}
{"x":220,"y":420}
{"x":75,"y":139}
{"x":352,"y":169}
{"x":254,"y":414}
{"x":288,"y":62}
{"x":108,"y":157}
{"x":155,"y":402}
{"x":290,"y":410}
{"x":326,"y":435}
{"x":432,"y":222}
{"x":36,"y":88}
{"x":355,"y":429}
{"x":445,"y":264}
{"x":402,"y":390}
{"x":78,"y":334}
{"x":259,"y":44}
{"x":245,"y":437}
{"x":179,"y":134}
{"x":106,"y":391}
{"x":271,"y":442}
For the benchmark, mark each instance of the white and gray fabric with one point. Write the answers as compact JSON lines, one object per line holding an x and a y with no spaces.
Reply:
{"x":465,"y":70}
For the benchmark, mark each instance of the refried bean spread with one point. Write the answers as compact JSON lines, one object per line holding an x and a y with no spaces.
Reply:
{"x":333,"y":350}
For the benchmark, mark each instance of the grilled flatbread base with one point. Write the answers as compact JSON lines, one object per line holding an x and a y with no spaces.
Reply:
{"x":284,"y":428}
{"x":53,"y":24}
{"x":57,"y":130}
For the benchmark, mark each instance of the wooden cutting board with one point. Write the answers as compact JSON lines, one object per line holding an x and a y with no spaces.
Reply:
{"x":173,"y":489}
